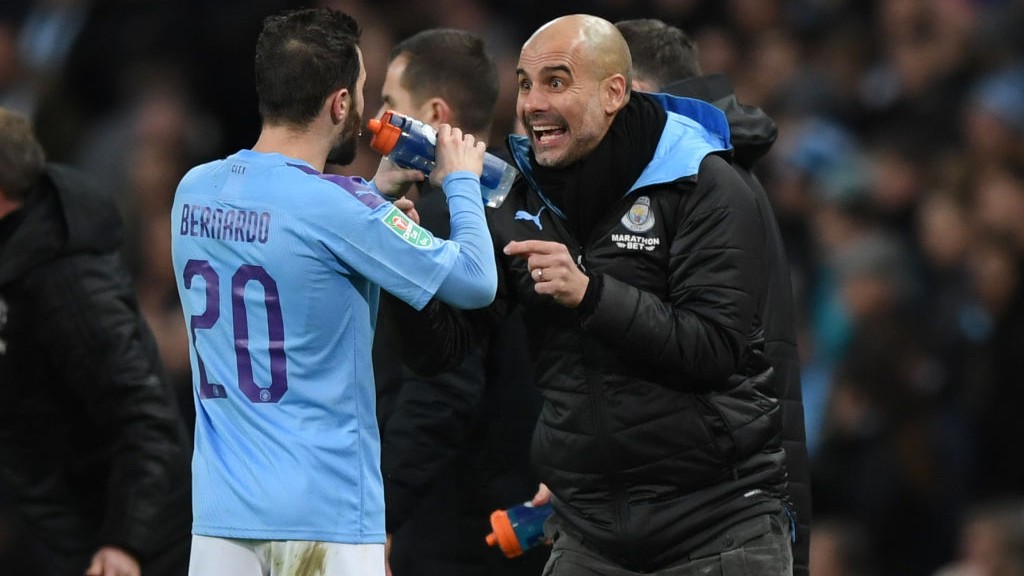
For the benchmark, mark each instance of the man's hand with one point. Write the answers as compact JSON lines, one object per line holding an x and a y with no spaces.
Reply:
{"x":409,"y":207}
{"x":553,"y":271}
{"x":394,"y":181}
{"x":112,"y":561}
{"x":387,"y":556}
{"x":543,"y":495}
{"x":456,"y":151}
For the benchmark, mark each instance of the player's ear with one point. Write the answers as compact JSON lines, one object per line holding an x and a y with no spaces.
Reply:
{"x":340,"y":102}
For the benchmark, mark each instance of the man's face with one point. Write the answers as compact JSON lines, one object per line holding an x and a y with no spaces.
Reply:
{"x":394,"y":96}
{"x":344,"y":150}
{"x":559,"y":101}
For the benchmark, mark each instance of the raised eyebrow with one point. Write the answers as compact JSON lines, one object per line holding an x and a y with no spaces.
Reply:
{"x":548,"y":70}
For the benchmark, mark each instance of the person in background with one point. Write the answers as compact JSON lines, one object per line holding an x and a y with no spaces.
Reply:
{"x":93,"y":449}
{"x":636,"y":254}
{"x":279,"y":269}
{"x":991,"y":542}
{"x":454,"y":447}
{"x":665,"y":59}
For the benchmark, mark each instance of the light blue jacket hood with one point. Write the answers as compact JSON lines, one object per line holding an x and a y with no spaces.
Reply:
{"x":693,"y":130}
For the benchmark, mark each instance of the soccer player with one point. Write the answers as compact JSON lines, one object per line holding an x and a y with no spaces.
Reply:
{"x":279,"y":269}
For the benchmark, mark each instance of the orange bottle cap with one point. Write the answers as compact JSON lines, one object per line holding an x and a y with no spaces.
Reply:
{"x":385,"y":134}
{"x":504,"y":536}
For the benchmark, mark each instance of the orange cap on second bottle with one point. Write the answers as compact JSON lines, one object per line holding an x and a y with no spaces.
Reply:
{"x":504,"y":536}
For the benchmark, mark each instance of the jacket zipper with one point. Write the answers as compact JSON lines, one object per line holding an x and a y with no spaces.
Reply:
{"x":594,"y":386}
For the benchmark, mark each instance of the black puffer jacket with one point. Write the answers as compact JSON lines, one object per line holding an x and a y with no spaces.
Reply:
{"x":92,"y":444}
{"x":661,"y":422}
{"x":752,"y":134}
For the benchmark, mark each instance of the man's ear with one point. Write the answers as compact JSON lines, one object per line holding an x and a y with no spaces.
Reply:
{"x":435,"y":111}
{"x":614,"y":95}
{"x":341,"y":105}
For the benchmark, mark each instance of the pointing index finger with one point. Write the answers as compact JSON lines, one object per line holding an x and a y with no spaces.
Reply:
{"x":526,"y":248}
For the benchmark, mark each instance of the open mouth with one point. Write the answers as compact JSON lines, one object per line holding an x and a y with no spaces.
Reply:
{"x":545,"y":134}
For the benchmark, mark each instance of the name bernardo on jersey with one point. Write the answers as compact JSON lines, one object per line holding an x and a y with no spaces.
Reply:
{"x":228,"y":225}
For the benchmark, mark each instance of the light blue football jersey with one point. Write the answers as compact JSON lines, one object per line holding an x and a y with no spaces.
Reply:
{"x":279,"y":270}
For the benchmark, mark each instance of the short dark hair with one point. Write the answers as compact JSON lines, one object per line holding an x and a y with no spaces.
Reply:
{"x":21,"y":155}
{"x":661,"y":53}
{"x":453,"y":65}
{"x":301,"y":57}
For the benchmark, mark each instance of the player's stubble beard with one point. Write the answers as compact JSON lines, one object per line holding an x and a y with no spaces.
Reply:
{"x":344,"y":150}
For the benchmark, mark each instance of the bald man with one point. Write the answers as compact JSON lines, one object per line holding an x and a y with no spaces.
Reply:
{"x":636,"y":254}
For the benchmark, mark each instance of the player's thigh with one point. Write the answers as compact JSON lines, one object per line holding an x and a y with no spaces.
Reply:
{"x":288,"y":557}
{"x":219,"y":556}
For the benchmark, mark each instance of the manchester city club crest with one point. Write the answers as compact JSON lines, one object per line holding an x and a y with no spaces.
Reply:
{"x":639,"y":218}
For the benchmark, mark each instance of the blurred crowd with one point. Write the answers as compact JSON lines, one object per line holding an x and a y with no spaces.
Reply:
{"x":897,"y":178}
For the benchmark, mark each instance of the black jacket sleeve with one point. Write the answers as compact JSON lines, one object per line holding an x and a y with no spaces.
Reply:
{"x":443,"y":336}
{"x":101,"y":347}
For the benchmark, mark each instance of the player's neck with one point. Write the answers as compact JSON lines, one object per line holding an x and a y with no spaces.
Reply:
{"x":300,"y":144}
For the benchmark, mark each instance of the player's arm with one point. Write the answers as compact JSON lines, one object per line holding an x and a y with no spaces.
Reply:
{"x":472,"y":281}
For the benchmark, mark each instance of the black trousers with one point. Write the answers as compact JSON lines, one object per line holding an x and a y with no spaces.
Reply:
{"x":758,"y":546}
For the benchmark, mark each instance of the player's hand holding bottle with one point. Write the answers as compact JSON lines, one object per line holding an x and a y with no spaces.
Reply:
{"x":455,"y":152}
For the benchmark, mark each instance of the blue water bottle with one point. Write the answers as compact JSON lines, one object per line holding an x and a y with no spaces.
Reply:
{"x":410,"y":144}
{"x":519,"y":528}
